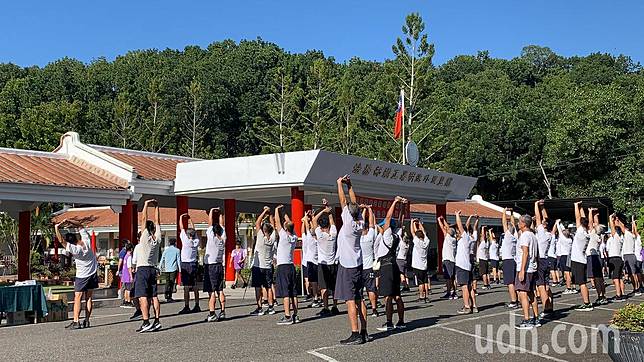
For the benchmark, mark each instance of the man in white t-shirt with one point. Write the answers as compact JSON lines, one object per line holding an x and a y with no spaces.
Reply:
{"x":367,"y":248}
{"x":564,"y":247}
{"x":526,"y":259}
{"x":448,"y":255}
{"x":86,"y":279}
{"x":493,"y":253}
{"x":285,"y":268}
{"x":419,"y":258}
{"x":508,"y":252}
{"x":464,"y":267}
{"x":638,"y":257}
{"x":326,"y":235}
{"x":310,"y":254}
{"x":213,"y":261}
{"x":628,"y":255}
{"x":262,"y":269}
{"x":189,"y":250}
{"x":578,"y":257}
{"x":544,"y":239}
{"x":615,"y":262}
{"x":593,"y":259}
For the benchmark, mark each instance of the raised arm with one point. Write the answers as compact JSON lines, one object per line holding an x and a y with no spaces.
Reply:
{"x":634,"y":226}
{"x":468,"y":222}
{"x":146,"y":204}
{"x":305,"y":223}
{"x":413,"y":226}
{"x":211,"y":216}
{"x":222,"y":221}
{"x":260,"y":218}
{"x":157,"y":217}
{"x":278,"y":219}
{"x":181,"y":227}
{"x":390,"y":213}
{"x":352,"y":194}
{"x":591,"y":220}
{"x":341,"y":196}
{"x":555,"y":227}
{"x":401,"y":215}
{"x":372,"y":217}
{"x":459,"y":223}
{"x":504,"y":220}
{"x":512,"y":220}
{"x":537,"y":211}
{"x":59,"y":236}
{"x":476,"y":223}
{"x":316,"y":217}
{"x":577,"y":214}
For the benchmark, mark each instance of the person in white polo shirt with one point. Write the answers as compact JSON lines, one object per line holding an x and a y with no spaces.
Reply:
{"x":482,"y":256}
{"x":508,"y":253}
{"x":145,"y":279}
{"x":310,"y":245}
{"x":639,"y":257}
{"x":615,"y":262}
{"x":189,"y":250}
{"x":213,"y":261}
{"x":526,"y":259}
{"x":327,"y":236}
{"x":367,"y":247}
{"x":419,"y":258}
{"x":464,"y":267}
{"x":448,"y":254}
{"x":86,"y":279}
{"x":564,"y":247}
{"x":628,"y":255}
{"x":493,"y":252}
{"x":578,"y":257}
{"x":593,"y":260}
{"x":544,"y":239}
{"x":285,"y":268}
{"x":262,"y":269}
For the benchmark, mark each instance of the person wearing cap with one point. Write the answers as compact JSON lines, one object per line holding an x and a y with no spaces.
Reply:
{"x":189,"y":250}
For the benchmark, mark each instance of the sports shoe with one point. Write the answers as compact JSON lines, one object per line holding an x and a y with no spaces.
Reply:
{"x":315,"y":304}
{"x":511,"y":305}
{"x":325,"y":312}
{"x":285,"y":320}
{"x":619,"y":299}
{"x":585,"y":308}
{"x":464,"y":310}
{"x":196,"y":309}
{"x":233,"y":286}
{"x":638,"y":293}
{"x":475,"y":309}
{"x":568,"y":291}
{"x":185,"y":310}
{"x":212,"y":317}
{"x":374,"y":313}
{"x":86,"y":323}
{"x":602,"y":301}
{"x":257,"y":312}
{"x":335,"y":311}
{"x":545,"y":314}
{"x":525,"y":324}
{"x":270,"y":310}
{"x":447,"y":296}
{"x":221,"y":316}
{"x":265,"y":303}
{"x":536,"y":322}
{"x":365,"y":336}
{"x":295,"y":319}
{"x":155,"y":326}
{"x":145,"y":326}
{"x":137,"y":314}
{"x":388,"y":326}
{"x":454,"y":296}
{"x":354,"y":338}
{"x":308,"y":297}
{"x":73,"y":325}
{"x":400,"y":325}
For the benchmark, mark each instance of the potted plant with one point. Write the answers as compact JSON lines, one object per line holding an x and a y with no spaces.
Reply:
{"x":626,"y":334}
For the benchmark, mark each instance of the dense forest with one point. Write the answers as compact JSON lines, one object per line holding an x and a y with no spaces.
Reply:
{"x":577,"y":120}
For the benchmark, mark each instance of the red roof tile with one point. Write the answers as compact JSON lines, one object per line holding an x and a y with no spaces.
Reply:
{"x":29,"y":167}
{"x":149,"y":166}
{"x":105,"y":217}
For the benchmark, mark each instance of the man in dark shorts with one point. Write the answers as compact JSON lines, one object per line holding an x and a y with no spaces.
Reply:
{"x":349,"y":281}
{"x":189,"y":250}
{"x":326,"y":234}
{"x":285,"y":268}
{"x":615,"y":262}
{"x":508,"y":253}
{"x":310,"y":249}
{"x":367,"y":246}
{"x":147,"y":268}
{"x":525,"y":281}
{"x":389,"y":280}
{"x":464,"y":266}
{"x":262,"y":269}
{"x":448,"y":254}
{"x":213,"y":261}
{"x":544,"y":238}
{"x":86,"y":278}
{"x":578,"y":258}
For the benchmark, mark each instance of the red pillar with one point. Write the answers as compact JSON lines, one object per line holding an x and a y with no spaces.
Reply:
{"x":93,"y":239}
{"x":230,"y":212}
{"x":128,"y":222}
{"x":338,"y":218}
{"x":297,"y":209}
{"x":182,"y":208}
{"x":24,"y":244}
{"x":441,"y":210}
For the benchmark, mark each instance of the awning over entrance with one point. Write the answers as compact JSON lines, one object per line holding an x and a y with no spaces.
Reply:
{"x":269,"y":178}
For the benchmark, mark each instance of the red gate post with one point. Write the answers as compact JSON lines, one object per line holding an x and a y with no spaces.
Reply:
{"x":24,"y":244}
{"x":441,"y":210}
{"x":230,"y":212}
{"x":182,"y":208}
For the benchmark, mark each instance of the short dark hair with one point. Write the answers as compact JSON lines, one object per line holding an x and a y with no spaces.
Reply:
{"x":173,"y":241}
{"x":70,"y":238}
{"x":323,"y":221}
{"x":584,"y":222}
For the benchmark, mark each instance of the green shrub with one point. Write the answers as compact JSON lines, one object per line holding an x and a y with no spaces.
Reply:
{"x":629,"y":318}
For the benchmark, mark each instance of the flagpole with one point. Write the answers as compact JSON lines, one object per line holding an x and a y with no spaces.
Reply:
{"x":402,"y":138}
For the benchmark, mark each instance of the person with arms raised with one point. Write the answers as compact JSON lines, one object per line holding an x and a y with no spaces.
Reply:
{"x":285,"y":268}
{"x":213,"y":261}
{"x":578,"y":257}
{"x":262,"y":269}
{"x":189,"y":251}
{"x":326,"y":235}
{"x":527,"y":260}
{"x":419,"y":258}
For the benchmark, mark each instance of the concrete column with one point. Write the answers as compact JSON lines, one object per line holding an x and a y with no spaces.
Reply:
{"x":24,"y":245}
{"x":230,"y":213}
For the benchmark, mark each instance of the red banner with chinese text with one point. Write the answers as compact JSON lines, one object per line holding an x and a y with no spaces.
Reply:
{"x":380,"y":207}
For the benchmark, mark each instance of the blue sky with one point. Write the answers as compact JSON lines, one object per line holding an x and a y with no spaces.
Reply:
{"x":38,"y":32}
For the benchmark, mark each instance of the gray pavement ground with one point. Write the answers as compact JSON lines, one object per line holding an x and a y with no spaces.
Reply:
{"x":434,"y":332}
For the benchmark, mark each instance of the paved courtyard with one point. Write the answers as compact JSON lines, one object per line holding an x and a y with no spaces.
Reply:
{"x":434,"y":332}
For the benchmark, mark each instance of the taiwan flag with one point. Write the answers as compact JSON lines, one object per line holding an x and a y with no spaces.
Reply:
{"x":400,"y":113}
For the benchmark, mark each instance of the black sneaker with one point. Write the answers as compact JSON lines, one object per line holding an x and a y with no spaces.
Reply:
{"x":325,"y":312}
{"x":602,"y":301}
{"x":212,"y":317}
{"x":155,"y":326}
{"x":145,"y":326}
{"x":137,"y":315}
{"x":73,"y":325}
{"x":447,"y":296}
{"x":536,"y":322}
{"x":86,"y":323}
{"x":270,"y":310}
{"x":233,"y":286}
{"x":258,"y":311}
{"x":265,"y":303}
{"x":285,"y":320}
{"x":335,"y":311}
{"x":196,"y":309}
{"x":387,"y":327}
{"x":221,"y":316}
{"x":295,"y":319}
{"x":185,"y":310}
{"x":365,"y":336}
{"x":374,"y":313}
{"x":400,"y":325}
{"x":354,"y":338}
{"x":619,"y":299}
{"x":511,"y":305}
{"x":525,"y":324}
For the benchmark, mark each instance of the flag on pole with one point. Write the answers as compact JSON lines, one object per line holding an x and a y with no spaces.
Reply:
{"x":400,"y":113}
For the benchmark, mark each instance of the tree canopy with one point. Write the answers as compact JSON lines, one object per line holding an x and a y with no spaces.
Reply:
{"x":580,"y":117}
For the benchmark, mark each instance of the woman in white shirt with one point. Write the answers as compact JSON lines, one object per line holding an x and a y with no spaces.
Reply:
{"x":493,"y":252}
{"x":419,"y":258}
{"x":482,"y":257}
{"x":615,"y":262}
